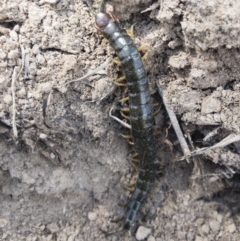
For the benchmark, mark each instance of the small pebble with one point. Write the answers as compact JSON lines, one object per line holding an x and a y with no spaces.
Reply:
{"x":52,"y":156}
{"x":181,"y":235}
{"x":220,"y":234}
{"x":35,"y":49}
{"x":7,"y":99}
{"x":214,"y":225}
{"x":35,"y":238}
{"x":13,"y":35}
{"x":4,"y":235}
{"x":205,"y":229}
{"x":71,"y":238}
{"x":43,"y":136}
{"x":210,"y":105}
{"x":3,"y":82}
{"x":92,"y":216}
{"x":2,"y":54}
{"x":40,"y":59}
{"x":179,"y":61}
{"x":48,"y":1}
{"x":3,"y":222}
{"x":190,"y":235}
{"x":49,"y":237}
{"x":198,"y":238}
{"x":53,"y":227}
{"x":151,"y":238}
{"x":21,"y":92}
{"x":219,"y":218}
{"x":13,"y":54}
{"x":42,"y":227}
{"x":16,"y":28}
{"x":142,"y":233}
{"x":231,"y":228}
{"x":45,"y":87}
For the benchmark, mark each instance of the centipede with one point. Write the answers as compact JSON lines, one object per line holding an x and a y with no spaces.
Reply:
{"x":141,"y":112}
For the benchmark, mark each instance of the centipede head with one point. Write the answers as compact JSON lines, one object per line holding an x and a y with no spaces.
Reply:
{"x":103,"y":19}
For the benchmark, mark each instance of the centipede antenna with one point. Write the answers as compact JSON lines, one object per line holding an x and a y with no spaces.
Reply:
{"x":90,"y":7}
{"x":101,"y":6}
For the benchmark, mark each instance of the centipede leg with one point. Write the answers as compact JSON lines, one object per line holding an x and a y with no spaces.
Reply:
{"x":117,"y":61}
{"x":144,"y":48}
{"x":104,"y":42}
{"x":156,"y":110}
{"x":124,"y":99}
{"x":153,"y":92}
{"x":124,"y":116}
{"x":134,"y":163}
{"x":109,"y":232}
{"x":130,"y":187}
{"x":119,"y":81}
{"x":134,"y":155}
{"x":126,"y":109}
{"x":128,"y":138}
{"x":130,"y":31}
{"x":113,"y":17}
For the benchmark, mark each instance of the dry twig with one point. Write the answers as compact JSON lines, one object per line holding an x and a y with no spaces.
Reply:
{"x":14,"y":79}
{"x":225,"y":142}
{"x":152,"y":7}
{"x":90,"y":73}
{"x":174,"y":121}
{"x":118,"y":120}
{"x":211,"y":134}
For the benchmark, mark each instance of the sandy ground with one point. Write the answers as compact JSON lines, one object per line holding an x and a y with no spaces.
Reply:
{"x":63,"y":162}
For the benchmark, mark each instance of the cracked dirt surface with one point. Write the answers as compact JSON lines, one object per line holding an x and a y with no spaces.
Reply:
{"x":62,"y":177}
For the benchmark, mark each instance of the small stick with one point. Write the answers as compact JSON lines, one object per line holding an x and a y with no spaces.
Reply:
{"x":48,"y":1}
{"x":90,"y":73}
{"x":174,"y":121}
{"x":211,"y":134}
{"x":190,"y":139}
{"x":152,"y":7}
{"x":26,"y":66}
{"x":23,"y":60}
{"x":226,"y":141}
{"x":118,"y":120}
{"x":14,"y":79}
{"x":15,"y":76}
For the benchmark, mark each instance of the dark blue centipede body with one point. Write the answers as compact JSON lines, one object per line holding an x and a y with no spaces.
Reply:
{"x":141,"y":117}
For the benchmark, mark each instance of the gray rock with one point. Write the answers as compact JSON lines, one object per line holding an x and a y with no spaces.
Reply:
{"x":231,"y":228}
{"x":214,"y":225}
{"x":210,"y":105}
{"x":142,"y":233}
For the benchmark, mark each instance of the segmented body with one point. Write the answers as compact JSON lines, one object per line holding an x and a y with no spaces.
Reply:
{"x":141,"y":116}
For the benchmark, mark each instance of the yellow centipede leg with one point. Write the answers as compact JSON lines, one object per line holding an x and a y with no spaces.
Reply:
{"x":124,"y":99}
{"x":117,"y":61}
{"x":130,"y":187}
{"x":128,"y":138}
{"x":130,"y":31}
{"x":126,"y":109}
{"x":124,"y":116}
{"x":119,"y":81}
{"x":144,"y":48}
{"x":134,"y":162}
